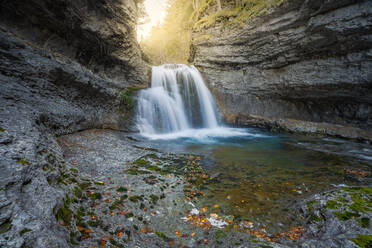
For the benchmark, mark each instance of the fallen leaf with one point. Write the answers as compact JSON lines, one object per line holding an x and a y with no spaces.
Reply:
{"x":80,"y":228}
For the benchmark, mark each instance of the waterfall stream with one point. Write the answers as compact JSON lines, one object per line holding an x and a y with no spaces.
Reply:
{"x":177,"y":102}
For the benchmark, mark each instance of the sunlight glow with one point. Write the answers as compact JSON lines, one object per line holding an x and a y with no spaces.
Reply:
{"x":156,"y":9}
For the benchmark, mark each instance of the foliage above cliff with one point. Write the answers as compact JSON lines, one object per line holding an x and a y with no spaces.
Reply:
{"x":170,"y":41}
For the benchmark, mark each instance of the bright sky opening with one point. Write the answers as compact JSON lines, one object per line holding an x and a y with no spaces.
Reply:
{"x":156,"y":9}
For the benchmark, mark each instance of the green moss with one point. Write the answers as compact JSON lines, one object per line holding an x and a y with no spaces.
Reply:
{"x":64,"y":214}
{"x":359,"y":190}
{"x":363,"y":241}
{"x":345,"y":215}
{"x":115,"y":205}
{"x":153,"y":168}
{"x":315,"y":218}
{"x":23,"y":161}
{"x":360,"y":204}
{"x":135,"y":198}
{"x":364,"y":222}
{"x":154,"y":198}
{"x":77,"y":192}
{"x":50,"y":181}
{"x":95,"y":196}
{"x":162,"y":236}
{"x":123,"y":197}
{"x":84,"y":185}
{"x":24,"y":230}
{"x":2,"y":130}
{"x":5,"y":227}
{"x":126,"y":100}
{"x":73,"y":170}
{"x":141,"y":162}
{"x":116,"y":243}
{"x":220,"y":234}
{"x":122,"y":189}
{"x":72,"y":238}
{"x":310,"y":205}
{"x":129,"y":215}
{"x":135,"y":171}
{"x":341,"y":199}
{"x":332,"y":204}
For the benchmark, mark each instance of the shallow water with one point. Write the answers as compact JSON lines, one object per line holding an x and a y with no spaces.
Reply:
{"x":257,"y":175}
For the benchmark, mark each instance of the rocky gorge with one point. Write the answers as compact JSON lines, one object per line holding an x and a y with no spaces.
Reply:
{"x":304,"y":67}
{"x":74,"y":174}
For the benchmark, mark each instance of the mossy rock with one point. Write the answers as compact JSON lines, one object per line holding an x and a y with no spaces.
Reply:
{"x":77,"y":192}
{"x":122,"y":189}
{"x":154,"y":198}
{"x":64,"y":214}
{"x":84,"y":185}
{"x":95,"y":196}
{"x":364,"y":222}
{"x":23,"y":161}
{"x":343,"y":216}
{"x":163,"y":236}
{"x":73,"y":170}
{"x":310,"y":205}
{"x":141,"y":162}
{"x":332,"y":204}
{"x":363,"y":241}
{"x":5,"y":227}
{"x":25,"y":230}
{"x":135,"y":198}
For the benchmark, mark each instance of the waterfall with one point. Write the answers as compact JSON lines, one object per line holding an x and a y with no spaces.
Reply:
{"x":177,"y":101}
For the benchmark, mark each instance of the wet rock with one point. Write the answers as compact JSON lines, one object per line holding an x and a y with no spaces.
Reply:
{"x":42,"y":96}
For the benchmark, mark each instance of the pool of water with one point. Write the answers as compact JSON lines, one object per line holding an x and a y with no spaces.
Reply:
{"x":258,"y":175}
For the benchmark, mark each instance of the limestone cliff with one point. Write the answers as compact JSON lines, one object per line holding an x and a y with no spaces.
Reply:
{"x":65,"y":66}
{"x":101,"y":35}
{"x":296,"y":66}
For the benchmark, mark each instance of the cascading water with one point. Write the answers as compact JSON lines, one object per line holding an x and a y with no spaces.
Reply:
{"x":177,"y":104}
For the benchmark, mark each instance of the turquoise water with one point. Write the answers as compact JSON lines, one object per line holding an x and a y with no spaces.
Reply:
{"x":258,"y":175}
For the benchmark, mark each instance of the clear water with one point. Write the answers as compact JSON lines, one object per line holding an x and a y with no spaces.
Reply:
{"x":257,"y":175}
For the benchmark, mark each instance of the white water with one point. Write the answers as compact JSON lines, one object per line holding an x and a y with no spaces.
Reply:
{"x":178,"y":105}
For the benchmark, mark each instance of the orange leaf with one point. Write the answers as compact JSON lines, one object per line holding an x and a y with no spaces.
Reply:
{"x":80,"y":228}
{"x":103,"y":243}
{"x":88,"y":231}
{"x":178,"y":233}
{"x":171,"y":242}
{"x":120,"y":234}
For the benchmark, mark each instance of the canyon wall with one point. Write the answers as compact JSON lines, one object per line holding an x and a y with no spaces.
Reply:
{"x":305,"y":66}
{"x":65,"y":66}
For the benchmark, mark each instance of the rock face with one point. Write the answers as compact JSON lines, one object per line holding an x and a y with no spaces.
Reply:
{"x":99,"y":35}
{"x":48,"y":50}
{"x":305,"y":60}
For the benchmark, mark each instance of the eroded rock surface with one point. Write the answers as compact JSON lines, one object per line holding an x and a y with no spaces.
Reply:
{"x":48,"y":89}
{"x":306,"y":60}
{"x":99,"y":35}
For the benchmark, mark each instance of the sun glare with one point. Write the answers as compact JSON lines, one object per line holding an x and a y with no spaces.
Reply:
{"x":156,"y":10}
